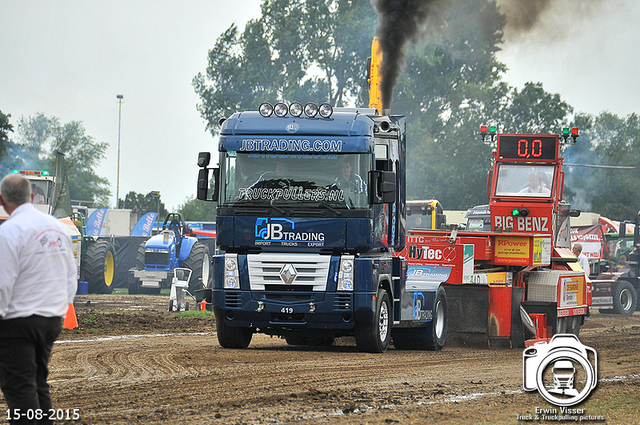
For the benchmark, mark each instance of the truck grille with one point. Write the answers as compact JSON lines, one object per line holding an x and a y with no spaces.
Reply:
{"x":343,"y":302}
{"x":156,"y":258}
{"x":232,"y":300}
{"x":288,"y":272}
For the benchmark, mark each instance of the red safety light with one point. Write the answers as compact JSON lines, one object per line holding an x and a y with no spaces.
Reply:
{"x":483,"y":129}
{"x":574,"y":132}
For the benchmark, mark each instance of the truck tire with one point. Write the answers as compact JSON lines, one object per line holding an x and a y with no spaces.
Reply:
{"x":625,"y":298}
{"x":135,"y":287}
{"x":431,"y":337}
{"x":98,"y":266}
{"x":231,"y":336}
{"x":375,"y":337}
{"x":199,"y":262}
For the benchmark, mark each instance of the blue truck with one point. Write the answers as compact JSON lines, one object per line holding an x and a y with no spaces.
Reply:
{"x":311,"y":208}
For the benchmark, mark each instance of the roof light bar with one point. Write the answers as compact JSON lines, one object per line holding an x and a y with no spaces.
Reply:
{"x":296,"y":109}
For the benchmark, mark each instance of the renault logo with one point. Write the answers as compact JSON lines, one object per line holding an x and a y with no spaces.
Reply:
{"x":288,"y":273}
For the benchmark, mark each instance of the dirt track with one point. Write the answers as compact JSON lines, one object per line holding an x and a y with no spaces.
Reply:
{"x":130,"y":362}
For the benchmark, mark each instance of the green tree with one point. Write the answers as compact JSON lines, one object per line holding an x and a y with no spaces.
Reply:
{"x":302,"y":50}
{"x":40,"y":137}
{"x":197,"y":210}
{"x":534,"y":111}
{"x":5,"y":128}
{"x":450,"y":84}
{"x":606,"y":140}
{"x":144,"y":203}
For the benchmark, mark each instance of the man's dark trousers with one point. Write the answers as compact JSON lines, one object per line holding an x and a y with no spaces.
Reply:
{"x":25,"y":349}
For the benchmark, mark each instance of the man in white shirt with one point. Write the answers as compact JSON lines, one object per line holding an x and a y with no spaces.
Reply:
{"x":582,"y":259}
{"x":38,"y":281}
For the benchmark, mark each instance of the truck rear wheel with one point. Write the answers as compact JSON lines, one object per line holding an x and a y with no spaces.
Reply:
{"x":231,"y":336}
{"x":624,"y":298}
{"x":198,"y":262}
{"x":431,"y":337}
{"x":98,"y":266}
{"x":374,"y":337}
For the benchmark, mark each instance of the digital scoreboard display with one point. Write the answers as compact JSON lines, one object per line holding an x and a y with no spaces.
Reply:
{"x":535,"y":147}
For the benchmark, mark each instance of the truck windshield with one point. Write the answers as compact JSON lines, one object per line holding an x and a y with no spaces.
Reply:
{"x":329,"y":180}
{"x":530,"y":180}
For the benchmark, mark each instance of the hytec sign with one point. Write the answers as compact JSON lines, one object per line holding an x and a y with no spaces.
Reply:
{"x":456,"y":259}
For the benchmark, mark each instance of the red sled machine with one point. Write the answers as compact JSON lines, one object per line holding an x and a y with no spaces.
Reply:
{"x":518,"y":283}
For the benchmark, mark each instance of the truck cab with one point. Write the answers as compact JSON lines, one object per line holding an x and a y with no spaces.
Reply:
{"x":311,"y":206}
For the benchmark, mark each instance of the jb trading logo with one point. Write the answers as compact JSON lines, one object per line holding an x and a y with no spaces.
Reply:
{"x":283,"y":230}
{"x":564,"y":371}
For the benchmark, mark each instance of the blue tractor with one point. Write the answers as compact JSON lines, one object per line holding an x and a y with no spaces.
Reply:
{"x":160,"y":255}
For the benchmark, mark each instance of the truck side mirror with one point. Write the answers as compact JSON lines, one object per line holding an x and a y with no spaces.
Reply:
{"x":383,"y":187}
{"x":204,"y":158}
{"x":203,"y":184}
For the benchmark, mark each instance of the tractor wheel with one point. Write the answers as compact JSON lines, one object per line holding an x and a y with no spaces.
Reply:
{"x":198,"y":262}
{"x":231,"y":336}
{"x":375,"y":337}
{"x":98,"y":266}
{"x":135,"y":287}
{"x":625,"y":298}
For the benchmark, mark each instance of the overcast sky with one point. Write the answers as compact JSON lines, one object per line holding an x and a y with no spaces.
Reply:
{"x":70,"y":58}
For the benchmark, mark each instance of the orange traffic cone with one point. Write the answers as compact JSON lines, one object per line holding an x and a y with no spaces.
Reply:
{"x":70,"y":320}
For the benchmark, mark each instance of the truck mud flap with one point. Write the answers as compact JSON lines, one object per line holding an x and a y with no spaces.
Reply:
{"x":467,"y":311}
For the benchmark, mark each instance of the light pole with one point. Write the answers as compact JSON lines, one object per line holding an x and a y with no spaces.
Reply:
{"x":119,"y":97}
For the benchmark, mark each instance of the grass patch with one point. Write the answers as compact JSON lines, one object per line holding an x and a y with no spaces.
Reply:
{"x":196,"y":314}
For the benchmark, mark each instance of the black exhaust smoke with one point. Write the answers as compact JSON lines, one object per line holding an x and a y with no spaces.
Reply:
{"x":400,"y":21}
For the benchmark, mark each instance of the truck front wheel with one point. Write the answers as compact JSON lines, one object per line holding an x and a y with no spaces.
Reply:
{"x":231,"y":336}
{"x":624,"y":298}
{"x":374,"y":337}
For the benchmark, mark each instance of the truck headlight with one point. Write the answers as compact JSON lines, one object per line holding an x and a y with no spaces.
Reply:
{"x":280,"y":109}
{"x":266,"y":109}
{"x":345,"y":274}
{"x":295,"y":109}
{"x":231,"y":273}
{"x":325,"y":110}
